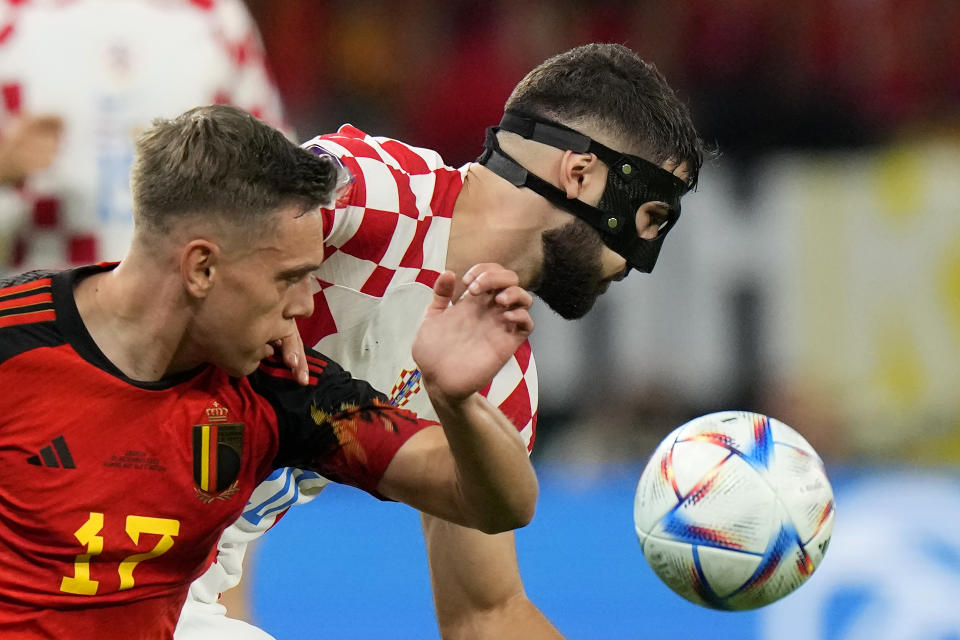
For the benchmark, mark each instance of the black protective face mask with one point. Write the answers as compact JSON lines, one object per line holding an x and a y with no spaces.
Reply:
{"x":631,"y":182}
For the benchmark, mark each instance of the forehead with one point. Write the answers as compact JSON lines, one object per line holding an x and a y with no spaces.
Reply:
{"x":296,"y":239}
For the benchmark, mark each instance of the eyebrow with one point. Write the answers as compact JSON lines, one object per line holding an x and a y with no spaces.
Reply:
{"x":298,"y":272}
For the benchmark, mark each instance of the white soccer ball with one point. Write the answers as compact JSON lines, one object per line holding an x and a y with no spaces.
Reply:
{"x":734,"y":510}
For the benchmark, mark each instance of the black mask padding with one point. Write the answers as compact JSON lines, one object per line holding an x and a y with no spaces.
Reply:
{"x":632,"y":181}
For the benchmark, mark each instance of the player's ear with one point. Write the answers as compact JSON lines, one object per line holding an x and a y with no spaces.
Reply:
{"x":198,"y":267}
{"x":578,"y":172}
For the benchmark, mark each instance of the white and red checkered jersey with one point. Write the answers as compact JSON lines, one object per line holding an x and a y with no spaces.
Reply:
{"x":108,"y":68}
{"x":386,"y":243}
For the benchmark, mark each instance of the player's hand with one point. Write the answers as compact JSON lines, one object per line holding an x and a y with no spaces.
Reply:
{"x":28,"y":144}
{"x":294,"y":356}
{"x":460,"y":347}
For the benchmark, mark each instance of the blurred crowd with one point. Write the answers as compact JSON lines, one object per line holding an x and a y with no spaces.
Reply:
{"x":762,"y":79}
{"x":758,"y":75}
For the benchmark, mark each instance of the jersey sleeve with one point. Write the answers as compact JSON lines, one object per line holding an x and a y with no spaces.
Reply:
{"x":338,"y":426}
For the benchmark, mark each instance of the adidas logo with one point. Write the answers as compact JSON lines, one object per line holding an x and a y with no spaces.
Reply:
{"x":55,"y":456}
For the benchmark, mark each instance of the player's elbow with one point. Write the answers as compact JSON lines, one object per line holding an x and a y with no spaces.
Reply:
{"x":525,"y":508}
{"x":515,"y":521}
{"x":503,"y":522}
{"x":514,"y":512}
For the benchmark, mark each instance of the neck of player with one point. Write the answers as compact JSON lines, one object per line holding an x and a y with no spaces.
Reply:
{"x":132,"y":316}
{"x":493,"y":221}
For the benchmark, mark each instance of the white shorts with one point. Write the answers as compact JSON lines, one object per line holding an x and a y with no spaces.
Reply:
{"x":205,"y":621}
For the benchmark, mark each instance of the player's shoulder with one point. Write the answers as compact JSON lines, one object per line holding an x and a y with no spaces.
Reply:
{"x":352,"y":142}
{"x":26,"y":277}
{"x":329,"y":387}
{"x":27,"y":313}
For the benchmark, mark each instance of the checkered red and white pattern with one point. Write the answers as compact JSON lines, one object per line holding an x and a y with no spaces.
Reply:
{"x":514,"y":390}
{"x":384,"y":232}
{"x":386,"y":244}
{"x":108,"y":68}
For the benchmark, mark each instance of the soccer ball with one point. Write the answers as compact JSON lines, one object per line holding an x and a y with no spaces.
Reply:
{"x":734,"y":510}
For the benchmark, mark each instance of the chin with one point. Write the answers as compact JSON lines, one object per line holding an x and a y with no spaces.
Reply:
{"x":572,"y":309}
{"x":238,"y":370}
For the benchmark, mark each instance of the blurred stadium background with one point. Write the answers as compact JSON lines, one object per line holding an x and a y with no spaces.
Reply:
{"x":815,"y":276}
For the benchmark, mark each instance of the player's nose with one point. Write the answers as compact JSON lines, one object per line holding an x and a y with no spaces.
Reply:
{"x":301,"y":300}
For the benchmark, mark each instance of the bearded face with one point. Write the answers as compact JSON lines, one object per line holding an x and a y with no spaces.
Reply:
{"x":572,"y":275}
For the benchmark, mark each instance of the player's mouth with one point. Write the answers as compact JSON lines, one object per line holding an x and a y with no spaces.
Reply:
{"x":271,"y":348}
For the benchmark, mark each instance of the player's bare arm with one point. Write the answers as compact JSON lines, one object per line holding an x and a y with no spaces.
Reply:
{"x":478,"y":592}
{"x":474,"y":470}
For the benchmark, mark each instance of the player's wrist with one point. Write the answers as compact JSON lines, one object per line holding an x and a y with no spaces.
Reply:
{"x":444,"y":399}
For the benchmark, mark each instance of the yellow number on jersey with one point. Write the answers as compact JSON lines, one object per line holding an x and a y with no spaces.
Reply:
{"x":143,"y":524}
{"x":81,"y":584}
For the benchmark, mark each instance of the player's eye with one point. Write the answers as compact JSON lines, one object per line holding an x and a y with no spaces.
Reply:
{"x":657,"y":218}
{"x":662,"y":223}
{"x":290,"y":279}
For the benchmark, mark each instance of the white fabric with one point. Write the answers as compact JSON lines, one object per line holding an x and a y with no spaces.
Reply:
{"x":108,"y":68}
{"x":202,"y":616}
{"x":205,"y":620}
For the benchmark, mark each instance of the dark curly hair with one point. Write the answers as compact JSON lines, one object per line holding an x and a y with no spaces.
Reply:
{"x":613,"y":88}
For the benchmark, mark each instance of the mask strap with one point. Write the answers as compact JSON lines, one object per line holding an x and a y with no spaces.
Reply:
{"x":498,"y":161}
{"x":562,"y":137}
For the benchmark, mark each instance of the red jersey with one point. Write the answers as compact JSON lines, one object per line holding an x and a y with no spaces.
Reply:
{"x":113,"y":492}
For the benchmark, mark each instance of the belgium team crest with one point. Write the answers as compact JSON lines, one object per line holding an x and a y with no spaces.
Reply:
{"x":217,"y":454}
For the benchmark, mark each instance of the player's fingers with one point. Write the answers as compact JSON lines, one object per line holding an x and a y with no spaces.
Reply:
{"x":471,"y":273}
{"x":485,"y":277}
{"x":514,"y":297}
{"x":443,"y":291}
{"x":520,"y":318}
{"x":482,"y":268}
{"x":299,"y":365}
{"x":294,"y":356}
